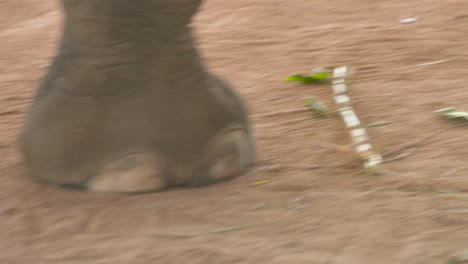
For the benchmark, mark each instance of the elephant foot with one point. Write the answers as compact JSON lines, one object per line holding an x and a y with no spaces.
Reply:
{"x":119,"y":111}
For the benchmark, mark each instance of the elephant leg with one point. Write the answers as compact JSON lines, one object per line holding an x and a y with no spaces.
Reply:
{"x":128,"y":105}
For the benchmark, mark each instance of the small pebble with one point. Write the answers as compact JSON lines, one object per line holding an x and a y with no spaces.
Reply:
{"x":408,"y":19}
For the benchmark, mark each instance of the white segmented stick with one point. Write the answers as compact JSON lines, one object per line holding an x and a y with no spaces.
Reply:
{"x":339,"y":88}
{"x":358,"y":134}
{"x":340,"y":72}
{"x":349,"y":116}
{"x":342,"y":99}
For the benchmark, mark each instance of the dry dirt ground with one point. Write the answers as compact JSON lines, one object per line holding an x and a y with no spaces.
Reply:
{"x":312,"y":210}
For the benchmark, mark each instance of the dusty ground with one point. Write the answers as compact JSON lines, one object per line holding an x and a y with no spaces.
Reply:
{"x":312,"y":210}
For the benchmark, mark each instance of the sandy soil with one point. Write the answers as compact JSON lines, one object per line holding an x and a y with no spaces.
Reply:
{"x":312,"y":210}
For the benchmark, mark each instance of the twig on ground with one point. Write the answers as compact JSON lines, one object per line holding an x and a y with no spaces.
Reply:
{"x":223,"y":230}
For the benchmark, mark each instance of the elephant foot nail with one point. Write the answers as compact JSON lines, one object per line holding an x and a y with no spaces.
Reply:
{"x":231,"y":154}
{"x":132,"y":173}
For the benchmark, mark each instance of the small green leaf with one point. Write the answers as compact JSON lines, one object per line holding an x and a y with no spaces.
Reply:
{"x":380,"y":123}
{"x":315,"y":106}
{"x":314,"y":78}
{"x":452,"y":113}
{"x":296,"y":77}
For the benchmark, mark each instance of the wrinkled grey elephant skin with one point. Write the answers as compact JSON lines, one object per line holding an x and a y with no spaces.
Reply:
{"x":127,"y":105}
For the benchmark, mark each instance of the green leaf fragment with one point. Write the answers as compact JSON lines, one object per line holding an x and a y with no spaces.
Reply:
{"x":315,"y":106}
{"x":314,"y":78}
{"x":380,"y":123}
{"x":452,"y":113}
